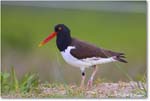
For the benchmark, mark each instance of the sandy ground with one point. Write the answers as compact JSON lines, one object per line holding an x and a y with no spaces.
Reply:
{"x":100,"y":90}
{"x":103,"y":90}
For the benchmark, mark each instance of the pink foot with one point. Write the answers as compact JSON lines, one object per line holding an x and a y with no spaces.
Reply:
{"x":90,"y":84}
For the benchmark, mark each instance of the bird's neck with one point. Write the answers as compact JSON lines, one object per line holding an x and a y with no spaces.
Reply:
{"x":63,"y":41}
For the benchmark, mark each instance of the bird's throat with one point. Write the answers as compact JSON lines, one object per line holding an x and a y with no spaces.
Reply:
{"x":63,"y":41}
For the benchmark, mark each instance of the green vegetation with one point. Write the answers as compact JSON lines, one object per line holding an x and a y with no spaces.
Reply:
{"x":10,"y":83}
{"x":141,"y":88}
{"x":29,"y":87}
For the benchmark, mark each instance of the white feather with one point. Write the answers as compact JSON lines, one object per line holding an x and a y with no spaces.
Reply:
{"x":87,"y":62}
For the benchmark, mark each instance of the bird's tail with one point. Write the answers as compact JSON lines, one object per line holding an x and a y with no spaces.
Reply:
{"x":120,"y":57}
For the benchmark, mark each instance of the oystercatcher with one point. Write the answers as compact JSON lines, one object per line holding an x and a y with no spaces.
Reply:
{"x":81,"y":54}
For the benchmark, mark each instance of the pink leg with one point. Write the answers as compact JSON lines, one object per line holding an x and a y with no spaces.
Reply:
{"x":82,"y":81}
{"x":83,"y":77}
{"x":90,"y":81}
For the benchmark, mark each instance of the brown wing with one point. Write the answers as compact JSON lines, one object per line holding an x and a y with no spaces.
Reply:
{"x":84,"y":50}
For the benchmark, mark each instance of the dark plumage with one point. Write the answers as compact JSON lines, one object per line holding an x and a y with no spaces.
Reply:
{"x":85,"y":50}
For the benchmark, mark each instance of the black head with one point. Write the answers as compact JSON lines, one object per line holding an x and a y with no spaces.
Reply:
{"x":63,"y":36}
{"x":61,"y":28}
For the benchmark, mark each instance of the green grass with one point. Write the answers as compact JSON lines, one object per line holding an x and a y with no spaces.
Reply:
{"x":140,"y":87}
{"x":99,"y":90}
{"x":10,"y":82}
{"x":30,"y":87}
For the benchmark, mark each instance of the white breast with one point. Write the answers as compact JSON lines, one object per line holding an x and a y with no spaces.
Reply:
{"x":72,"y":60}
{"x":87,"y":62}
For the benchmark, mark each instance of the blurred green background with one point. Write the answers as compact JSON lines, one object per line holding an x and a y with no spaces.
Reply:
{"x":118,"y":26}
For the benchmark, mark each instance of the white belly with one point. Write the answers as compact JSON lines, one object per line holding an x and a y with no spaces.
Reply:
{"x":88,"y":62}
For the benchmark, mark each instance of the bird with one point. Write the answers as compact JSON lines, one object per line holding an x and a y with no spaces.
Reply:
{"x":81,"y":54}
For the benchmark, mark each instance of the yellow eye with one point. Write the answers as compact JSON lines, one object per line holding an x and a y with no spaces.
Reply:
{"x":59,"y":28}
